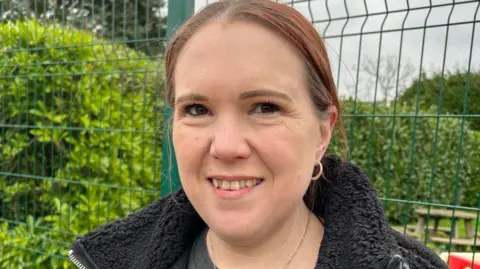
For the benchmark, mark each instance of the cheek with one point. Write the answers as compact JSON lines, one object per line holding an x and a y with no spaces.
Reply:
{"x":189,"y":148}
{"x":288,"y":150}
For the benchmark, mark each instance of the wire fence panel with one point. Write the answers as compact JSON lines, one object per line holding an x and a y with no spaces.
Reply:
{"x":81,"y":114}
{"x":81,"y":104}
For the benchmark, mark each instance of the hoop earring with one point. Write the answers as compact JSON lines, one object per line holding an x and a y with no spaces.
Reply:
{"x":317,"y":170}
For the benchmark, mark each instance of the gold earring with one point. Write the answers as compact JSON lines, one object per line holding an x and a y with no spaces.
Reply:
{"x":317,"y":170}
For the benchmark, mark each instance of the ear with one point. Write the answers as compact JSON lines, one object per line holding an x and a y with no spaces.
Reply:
{"x":326,"y":126}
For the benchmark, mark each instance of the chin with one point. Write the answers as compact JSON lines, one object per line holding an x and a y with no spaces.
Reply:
{"x":235,"y":226}
{"x":235,"y":233}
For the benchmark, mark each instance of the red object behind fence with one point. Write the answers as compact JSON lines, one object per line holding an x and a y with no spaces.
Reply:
{"x":459,"y":262}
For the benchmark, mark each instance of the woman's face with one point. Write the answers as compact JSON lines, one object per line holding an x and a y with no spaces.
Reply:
{"x":245,"y":133}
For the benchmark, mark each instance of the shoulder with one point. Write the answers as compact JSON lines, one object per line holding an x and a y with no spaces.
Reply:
{"x":415,"y":254}
{"x":109,"y":244}
{"x":356,"y":229}
{"x":140,"y":239}
{"x":130,"y":226}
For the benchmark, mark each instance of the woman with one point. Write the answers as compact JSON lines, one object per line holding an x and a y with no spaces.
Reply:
{"x":254,"y":111}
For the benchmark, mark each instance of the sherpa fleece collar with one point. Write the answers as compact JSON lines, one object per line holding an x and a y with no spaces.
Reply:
{"x":356,"y":232}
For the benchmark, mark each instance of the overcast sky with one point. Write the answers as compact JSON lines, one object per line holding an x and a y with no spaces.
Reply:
{"x":452,"y":52}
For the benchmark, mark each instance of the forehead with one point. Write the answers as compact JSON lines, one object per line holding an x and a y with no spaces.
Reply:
{"x":238,"y":54}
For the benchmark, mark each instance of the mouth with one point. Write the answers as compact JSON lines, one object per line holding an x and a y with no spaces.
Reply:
{"x":233,"y":185}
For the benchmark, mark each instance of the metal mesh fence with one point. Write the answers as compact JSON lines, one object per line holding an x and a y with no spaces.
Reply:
{"x":81,"y":111}
{"x":80,"y":116}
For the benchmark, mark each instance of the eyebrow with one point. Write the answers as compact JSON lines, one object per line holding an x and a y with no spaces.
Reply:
{"x":243,"y":95}
{"x":191,"y":97}
{"x":264,"y":92}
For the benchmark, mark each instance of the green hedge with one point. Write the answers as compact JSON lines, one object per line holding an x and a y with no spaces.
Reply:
{"x":399,"y":154}
{"x":453,"y":86}
{"x":79,"y":138}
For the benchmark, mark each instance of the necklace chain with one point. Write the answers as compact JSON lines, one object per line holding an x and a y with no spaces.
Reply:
{"x":291,"y":257}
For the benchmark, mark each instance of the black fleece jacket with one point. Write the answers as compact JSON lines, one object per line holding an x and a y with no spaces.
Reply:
{"x":160,"y":235}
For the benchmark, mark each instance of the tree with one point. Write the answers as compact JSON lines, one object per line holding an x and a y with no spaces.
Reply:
{"x":138,"y":23}
{"x":387,"y":76}
{"x":451,"y":89}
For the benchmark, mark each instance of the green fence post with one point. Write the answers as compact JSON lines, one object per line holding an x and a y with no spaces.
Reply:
{"x":178,"y":12}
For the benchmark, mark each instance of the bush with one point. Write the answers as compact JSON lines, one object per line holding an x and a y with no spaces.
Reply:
{"x":79,"y":138}
{"x":454,"y":85}
{"x":399,"y":154}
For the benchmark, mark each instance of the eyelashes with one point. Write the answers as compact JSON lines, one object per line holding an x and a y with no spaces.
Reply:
{"x":266,"y":108}
{"x":195,"y":110}
{"x":263,"y":108}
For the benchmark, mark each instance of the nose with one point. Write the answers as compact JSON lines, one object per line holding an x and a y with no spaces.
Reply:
{"x":229,"y":142}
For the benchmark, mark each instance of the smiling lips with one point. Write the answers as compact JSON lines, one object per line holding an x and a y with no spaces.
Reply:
{"x":228,"y":187}
{"x":234,"y":184}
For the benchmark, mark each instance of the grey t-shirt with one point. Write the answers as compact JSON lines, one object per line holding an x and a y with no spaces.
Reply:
{"x":199,"y":257}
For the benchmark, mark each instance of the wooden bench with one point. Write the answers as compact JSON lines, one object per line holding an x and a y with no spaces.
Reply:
{"x":438,"y":214}
{"x":454,"y":242}
{"x":431,"y":229}
{"x":408,"y":232}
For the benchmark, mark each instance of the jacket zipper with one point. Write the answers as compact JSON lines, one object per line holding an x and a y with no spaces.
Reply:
{"x":75,"y":261}
{"x":80,"y":257}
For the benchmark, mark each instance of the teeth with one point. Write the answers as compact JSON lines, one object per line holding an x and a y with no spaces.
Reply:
{"x":225,"y":184}
{"x":234,"y":184}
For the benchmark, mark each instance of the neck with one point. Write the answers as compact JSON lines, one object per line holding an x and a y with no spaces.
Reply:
{"x":275,"y":247}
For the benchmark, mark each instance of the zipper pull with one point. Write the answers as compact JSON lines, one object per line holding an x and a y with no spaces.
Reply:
{"x":80,"y":257}
{"x":75,"y":261}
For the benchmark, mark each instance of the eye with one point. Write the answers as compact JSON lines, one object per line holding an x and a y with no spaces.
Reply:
{"x":195,"y":110}
{"x":265,"y":108}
